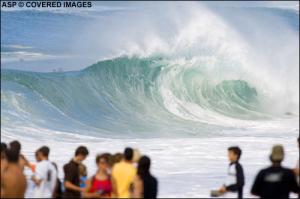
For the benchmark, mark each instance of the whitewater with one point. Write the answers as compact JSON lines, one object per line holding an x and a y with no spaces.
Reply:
{"x":181,"y":91}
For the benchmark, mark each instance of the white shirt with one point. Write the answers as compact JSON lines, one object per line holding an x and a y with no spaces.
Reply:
{"x":46,"y":172}
{"x":230,"y":179}
{"x":231,"y":175}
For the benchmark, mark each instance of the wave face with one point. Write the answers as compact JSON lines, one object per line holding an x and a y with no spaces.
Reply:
{"x":130,"y":96}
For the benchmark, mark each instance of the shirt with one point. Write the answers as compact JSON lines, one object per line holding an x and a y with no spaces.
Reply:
{"x":275,"y":182}
{"x":123,"y":173}
{"x":71,"y":171}
{"x":235,"y":179}
{"x":46,"y":172}
{"x":83,"y":180}
{"x":101,"y":186}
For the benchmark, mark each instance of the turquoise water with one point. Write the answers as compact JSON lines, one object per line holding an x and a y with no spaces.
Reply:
{"x":131,"y":97}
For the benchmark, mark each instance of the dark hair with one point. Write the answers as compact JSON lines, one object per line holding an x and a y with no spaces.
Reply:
{"x":128,"y":154}
{"x":12,"y":155}
{"x":115,"y":158}
{"x":3,"y":147}
{"x":236,"y":150}
{"x":13,"y":151}
{"x":44,"y":150}
{"x":15,"y":145}
{"x":143,"y":168}
{"x":82,"y":150}
{"x":3,"y":150}
{"x":105,"y":156}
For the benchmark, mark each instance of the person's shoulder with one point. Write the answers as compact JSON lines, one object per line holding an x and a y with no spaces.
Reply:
{"x":238,"y":164}
{"x":115,"y":168}
{"x":154,"y":179}
{"x":65,"y":166}
{"x":288,"y":171}
{"x":44,"y":162}
{"x":117,"y":165}
{"x":264,"y":170}
{"x":128,"y":166}
{"x":51,"y":165}
{"x":68,"y":165}
{"x":43,"y":165}
{"x":40,"y":164}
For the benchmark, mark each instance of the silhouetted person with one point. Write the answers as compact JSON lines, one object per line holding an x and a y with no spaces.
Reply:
{"x":3,"y":156}
{"x":45,"y":174}
{"x":13,"y":181}
{"x":144,"y":185}
{"x":16,"y":145}
{"x":235,"y":180}
{"x":3,"y":162}
{"x":3,"y":150}
{"x":123,"y":174}
{"x":275,"y":181}
{"x":99,"y":185}
{"x":72,"y":177}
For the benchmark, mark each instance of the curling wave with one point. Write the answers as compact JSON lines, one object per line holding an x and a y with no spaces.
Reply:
{"x":130,"y":95}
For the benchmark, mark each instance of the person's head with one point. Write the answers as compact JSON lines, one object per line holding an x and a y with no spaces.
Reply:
{"x":3,"y":150}
{"x":136,"y":156}
{"x":277,"y":154}
{"x":81,"y":153}
{"x":234,"y":153}
{"x":15,"y":145}
{"x":102,"y":162}
{"x":82,"y":170}
{"x":143,"y":168}
{"x":128,"y":154}
{"x":109,"y":156}
{"x":12,"y":155}
{"x":117,"y":157}
{"x":42,"y":153}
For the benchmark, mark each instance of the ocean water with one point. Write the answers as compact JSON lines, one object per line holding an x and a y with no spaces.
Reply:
{"x":181,"y":82}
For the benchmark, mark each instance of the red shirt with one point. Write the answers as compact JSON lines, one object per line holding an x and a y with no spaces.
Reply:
{"x":103,"y":186}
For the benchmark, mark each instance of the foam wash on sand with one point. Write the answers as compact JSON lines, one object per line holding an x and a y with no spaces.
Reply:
{"x":181,"y":93}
